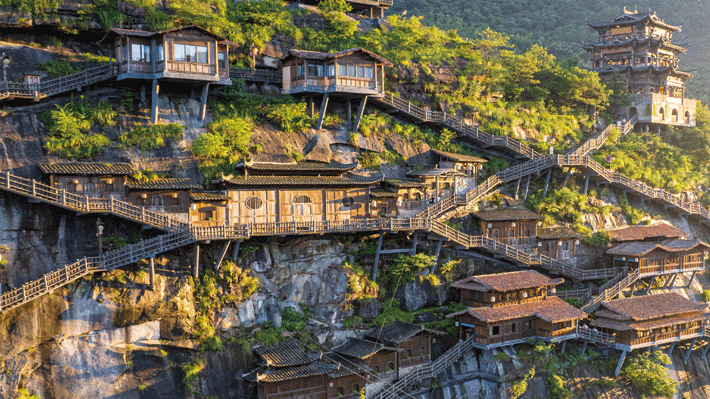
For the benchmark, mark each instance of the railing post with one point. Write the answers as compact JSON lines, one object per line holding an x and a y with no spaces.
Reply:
{"x":34,"y":188}
{"x":111,"y":205}
{"x":7,"y":176}
{"x":86,"y":201}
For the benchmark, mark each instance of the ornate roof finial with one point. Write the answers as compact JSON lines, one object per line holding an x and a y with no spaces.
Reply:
{"x":636,"y":11}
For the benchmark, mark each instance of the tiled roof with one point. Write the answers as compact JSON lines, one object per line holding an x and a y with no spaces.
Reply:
{"x":203,"y":197}
{"x":308,"y":167}
{"x":164,"y":184}
{"x":87,"y":168}
{"x":285,"y":354}
{"x":347,"y":366}
{"x":503,"y":282}
{"x":435,"y":172}
{"x":603,"y":322}
{"x":632,"y":19}
{"x":556,"y":233}
{"x":395,"y":333}
{"x":551,"y":310}
{"x":358,"y":348}
{"x":458,"y":157}
{"x":315,"y":55}
{"x":382,"y":193}
{"x":502,"y":215}
{"x":290,"y":373}
{"x":143,"y":33}
{"x":286,"y":181}
{"x":633,"y":248}
{"x":639,"y":233}
{"x":646,"y":307}
{"x":404,"y":183}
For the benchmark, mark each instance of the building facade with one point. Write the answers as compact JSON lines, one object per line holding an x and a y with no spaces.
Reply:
{"x":512,"y":226}
{"x":93,"y":179}
{"x":559,"y":242}
{"x":637,"y":51}
{"x":665,"y":257}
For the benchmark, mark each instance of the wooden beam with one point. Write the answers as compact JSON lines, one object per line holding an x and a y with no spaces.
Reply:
{"x":547,"y":182}
{"x":349,"y":105}
{"x":687,"y":354}
{"x":235,"y":253}
{"x":323,"y":108}
{"x":692,"y":277}
{"x":527,"y":185}
{"x":154,"y":102}
{"x":436,"y":256}
{"x":360,"y":111}
{"x":586,"y":185}
{"x":151,"y":270}
{"x":670,"y":348}
{"x":395,"y":251}
{"x":650,"y":285}
{"x":203,"y":101}
{"x":377,"y":256}
{"x":196,"y":262}
{"x":222,"y":254}
{"x":414,"y":246}
{"x":620,"y":363}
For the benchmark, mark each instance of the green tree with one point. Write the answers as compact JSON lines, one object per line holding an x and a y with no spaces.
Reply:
{"x":647,"y":373}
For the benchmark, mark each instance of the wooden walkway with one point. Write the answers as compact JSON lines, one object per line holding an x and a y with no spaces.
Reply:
{"x":611,"y":290}
{"x":63,"y":84}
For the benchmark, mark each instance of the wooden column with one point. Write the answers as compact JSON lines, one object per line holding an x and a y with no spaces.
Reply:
{"x":222,"y":254}
{"x":414,"y":246}
{"x":547,"y":182}
{"x":154,"y":102}
{"x":436,"y":256}
{"x":323,"y":109}
{"x":517,"y":187}
{"x":235,"y":252}
{"x":196,"y":262}
{"x":586,"y":185}
{"x":350,"y":110}
{"x":360,"y":111}
{"x":687,"y":354}
{"x":151,"y":270}
{"x":377,"y":256}
{"x":203,"y":101}
{"x":620,"y":363}
{"x":527,"y":186}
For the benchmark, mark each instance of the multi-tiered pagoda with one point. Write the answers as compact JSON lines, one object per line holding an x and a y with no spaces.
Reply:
{"x":637,"y":49}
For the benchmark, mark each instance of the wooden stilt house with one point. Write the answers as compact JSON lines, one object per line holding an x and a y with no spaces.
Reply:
{"x":650,"y":320}
{"x":656,"y":232}
{"x":510,"y":226}
{"x":558,"y":242}
{"x":509,"y":308}
{"x":657,"y":258}
{"x":412,"y":341}
{"x":466,"y":164}
{"x":354,"y":73}
{"x":94,"y":179}
{"x":380,"y":358}
{"x":168,"y":195}
{"x":188,"y":55}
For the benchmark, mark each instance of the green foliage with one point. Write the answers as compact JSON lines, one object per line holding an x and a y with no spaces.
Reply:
{"x":501,"y":356}
{"x":114,"y":242}
{"x":448,"y":269}
{"x":367,"y":248}
{"x":600,"y":239}
{"x":142,"y":387}
{"x":25,"y":394}
{"x":156,"y":20}
{"x":556,"y":385}
{"x":130,"y":101}
{"x":562,"y":206}
{"x":247,"y":249}
{"x":647,"y":374}
{"x":95,"y":58}
{"x":292,"y":320}
{"x":334,"y":5}
{"x":57,"y":68}
{"x":632,"y":214}
{"x":191,"y":371}
{"x":34,"y":7}
{"x":108,"y":13}
{"x":239,"y":283}
{"x":576,"y":302}
{"x":211,"y":344}
{"x":290,"y":117}
{"x":391,"y":312}
{"x":404,"y":267}
{"x":151,"y":136}
{"x":519,"y":388}
{"x":269,"y":335}
{"x":706,"y":295}
{"x":226,"y":143}
{"x":69,"y":127}
{"x":352,"y":322}
{"x":374,"y":124}
{"x":602,"y":382}
{"x":360,"y":286}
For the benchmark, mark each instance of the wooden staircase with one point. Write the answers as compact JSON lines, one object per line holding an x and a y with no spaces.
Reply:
{"x":611,"y":290}
{"x":596,"y":143}
{"x":63,"y":84}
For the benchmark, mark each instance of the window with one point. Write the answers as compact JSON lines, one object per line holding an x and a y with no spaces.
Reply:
{"x":299,"y":71}
{"x":383,"y":210}
{"x":190,"y":53}
{"x":253,"y":203}
{"x":179,"y":52}
{"x":161,"y":53}
{"x":417,"y":197}
{"x":157,"y":200}
{"x":302,"y":199}
{"x":341,"y":392}
{"x":206,"y":215}
{"x":124,"y":53}
{"x":72,"y":187}
{"x":202,"y":54}
{"x":409,"y":353}
{"x":495,"y":330}
{"x":495,"y":233}
{"x":360,"y":71}
{"x":513,"y":327}
{"x":511,"y":233}
{"x":221,"y":60}
{"x":527,"y":232}
{"x":405,"y":197}
{"x":90,"y":187}
{"x":351,"y":70}
{"x":342,"y":70}
{"x":315,"y":70}
{"x":447,"y":186}
{"x":140,"y":53}
{"x":330,"y":70}
{"x":356,"y":388}
{"x":390,"y":366}
{"x":347,"y":201}
{"x":368,"y":72}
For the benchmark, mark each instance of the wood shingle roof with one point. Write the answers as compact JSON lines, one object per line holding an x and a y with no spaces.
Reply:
{"x":87,"y":168}
{"x":358,"y":348}
{"x":316,"y":55}
{"x":648,"y":307}
{"x":395,"y":333}
{"x":509,"y":214}
{"x":290,"y":373}
{"x":640,"y":233}
{"x":164,"y":184}
{"x":297,"y":168}
{"x":633,"y":248}
{"x":435,"y":172}
{"x":205,"y":197}
{"x":458,"y":157}
{"x":404,"y":183}
{"x":556,"y":233}
{"x":289,"y":181}
{"x":285,"y":354}
{"x":551,"y":310}
{"x":503,"y":282}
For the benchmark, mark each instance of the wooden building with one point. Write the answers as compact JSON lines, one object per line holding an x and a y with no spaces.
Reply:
{"x":559,"y":242}
{"x":370,"y":8}
{"x":291,"y":370}
{"x":656,"y":232}
{"x":638,"y":50}
{"x":439,"y":182}
{"x":189,"y":55}
{"x":512,"y":226}
{"x":353,"y":73}
{"x":651,"y":320}
{"x":466,"y":164}
{"x":509,"y":308}
{"x":93,"y":179}
{"x":665,"y":257}
{"x":381,"y":359}
{"x":169,"y":195}
{"x":297,"y":192}
{"x":208,"y":209}
{"x":411,"y":193}
{"x":412,"y":341}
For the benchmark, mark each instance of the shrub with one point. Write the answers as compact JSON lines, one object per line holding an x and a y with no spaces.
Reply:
{"x":25,"y":394}
{"x":647,"y":374}
{"x":706,"y":295}
{"x":556,"y":385}
{"x":69,"y":127}
{"x":576,"y":302}
{"x":191,"y":370}
{"x":57,"y":68}
{"x":391,"y":313}
{"x":95,"y":58}
{"x":152,"y":136}
{"x":404,"y":268}
{"x":352,"y":322}
{"x":360,"y":286}
{"x":501,"y":357}
{"x":211,"y":344}
{"x":601,"y":382}
{"x":290,"y":117}
{"x":226,"y":143}
{"x":270,"y":336}
{"x":292,"y":320}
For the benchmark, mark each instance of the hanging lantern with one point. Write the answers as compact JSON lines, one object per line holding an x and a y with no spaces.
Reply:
{"x":373,"y":204}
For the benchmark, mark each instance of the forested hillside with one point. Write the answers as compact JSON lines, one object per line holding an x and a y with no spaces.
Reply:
{"x":560,"y":25}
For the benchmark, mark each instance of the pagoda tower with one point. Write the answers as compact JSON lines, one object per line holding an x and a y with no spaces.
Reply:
{"x":637,"y":50}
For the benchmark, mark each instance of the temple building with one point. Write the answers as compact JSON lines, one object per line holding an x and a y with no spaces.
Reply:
{"x":637,"y":50}
{"x":189,"y":55}
{"x":509,"y":308}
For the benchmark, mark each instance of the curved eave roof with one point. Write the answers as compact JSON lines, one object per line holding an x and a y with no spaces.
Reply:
{"x":633,"y":19}
{"x":620,"y":43}
{"x":640,"y":69}
{"x":316,"y":55}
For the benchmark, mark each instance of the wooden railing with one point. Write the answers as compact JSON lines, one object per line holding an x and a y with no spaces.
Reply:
{"x":611,"y":290}
{"x":58,"y":85}
{"x":595,"y":336}
{"x":190,"y":67}
{"x":85,"y":204}
{"x":256,"y":75}
{"x":595,"y":143}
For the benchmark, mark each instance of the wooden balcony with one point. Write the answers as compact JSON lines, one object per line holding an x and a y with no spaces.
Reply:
{"x":413,"y":361}
{"x":659,"y":339}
